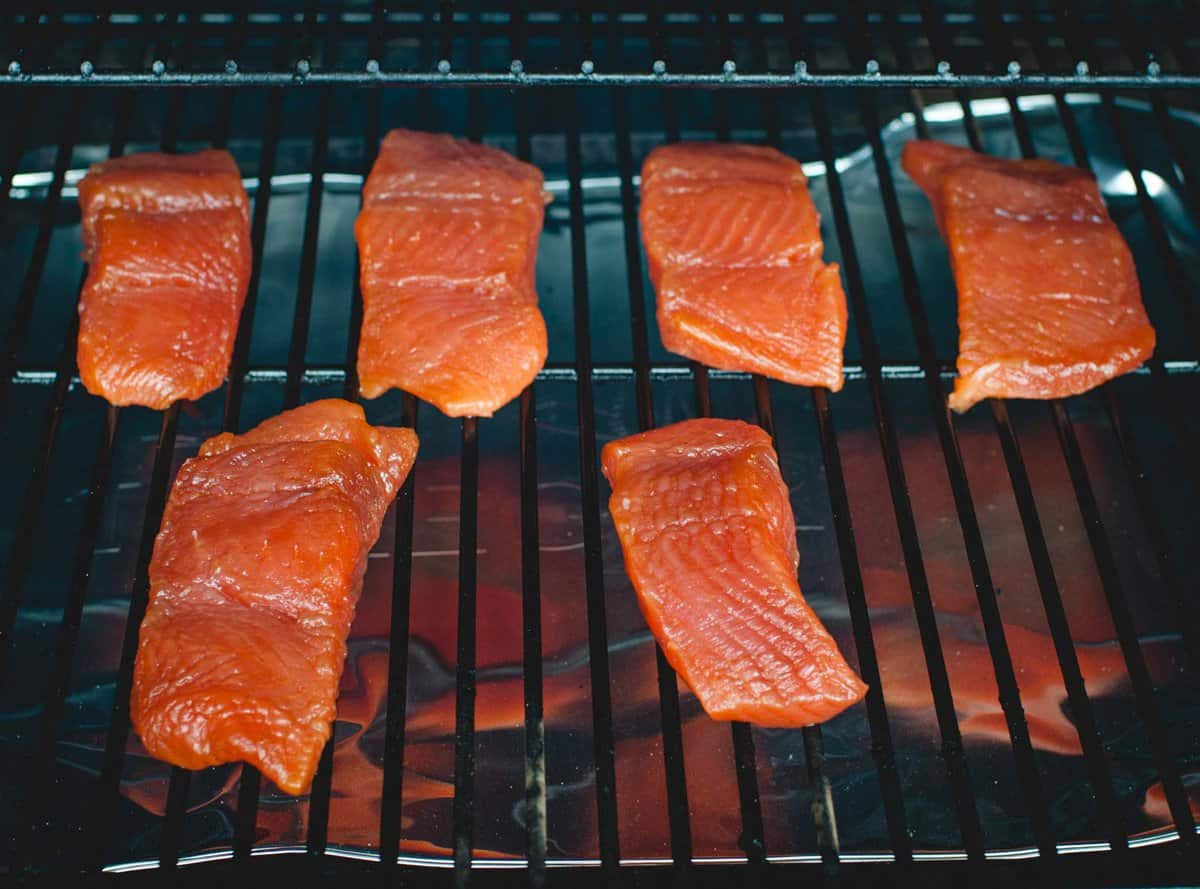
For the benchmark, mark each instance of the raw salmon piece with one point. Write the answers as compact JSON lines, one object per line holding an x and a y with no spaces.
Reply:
{"x":733,"y":245}
{"x":253,"y":583}
{"x":447,"y":242}
{"x":795,"y":314}
{"x":690,"y":165}
{"x":468,"y":347}
{"x":710,"y":545}
{"x":168,"y":247}
{"x":439,"y":166}
{"x":437,"y":240}
{"x":153,"y":183}
{"x":1048,"y":298}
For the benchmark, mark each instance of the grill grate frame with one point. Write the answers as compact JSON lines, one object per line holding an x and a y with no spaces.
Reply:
{"x":577,"y":40}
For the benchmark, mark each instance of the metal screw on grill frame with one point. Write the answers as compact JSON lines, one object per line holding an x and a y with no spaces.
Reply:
{"x":303,"y":68}
{"x":372,"y":66}
{"x":800,"y":70}
{"x":231,"y":66}
{"x":943,"y":68}
{"x":587,"y":67}
{"x":86,"y":68}
{"x":1153,"y":69}
{"x":659,"y":67}
{"x":14,"y":68}
{"x":158,"y":67}
{"x":516,"y":68}
{"x":443,"y":66}
{"x":1014,"y":69}
{"x":729,"y":69}
{"x":1082,"y":68}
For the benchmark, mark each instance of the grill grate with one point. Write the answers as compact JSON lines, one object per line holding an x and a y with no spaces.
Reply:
{"x":585,"y":101}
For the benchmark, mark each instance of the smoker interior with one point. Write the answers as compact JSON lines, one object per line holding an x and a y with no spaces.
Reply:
{"x":1013,"y":584}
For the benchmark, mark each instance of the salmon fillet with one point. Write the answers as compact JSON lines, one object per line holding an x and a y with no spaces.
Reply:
{"x":167,"y":240}
{"x":447,"y":242}
{"x":710,"y":545}
{"x":253,"y":583}
{"x":1048,"y":298}
{"x":733,"y":244}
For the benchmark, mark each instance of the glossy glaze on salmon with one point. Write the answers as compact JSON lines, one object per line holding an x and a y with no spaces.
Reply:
{"x":253,"y":584}
{"x":734,"y":249}
{"x":1048,"y":297}
{"x":709,"y":540}
{"x":167,"y":239}
{"x":447,"y":241}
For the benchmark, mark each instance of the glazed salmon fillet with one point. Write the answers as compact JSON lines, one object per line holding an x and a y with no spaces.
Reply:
{"x":1048,"y":297}
{"x":733,"y":243}
{"x":167,"y":240}
{"x":447,"y":242}
{"x":709,"y":540}
{"x":253,"y":584}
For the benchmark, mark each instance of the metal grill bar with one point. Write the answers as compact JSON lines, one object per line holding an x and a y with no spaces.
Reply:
{"x":675,"y":773}
{"x":1079,"y":478}
{"x":531,"y":593}
{"x":34,"y":803}
{"x":248,"y":788}
{"x":463,"y":809}
{"x":952,"y":751}
{"x":603,"y":743}
{"x":464,"y":737}
{"x":1010,"y":699}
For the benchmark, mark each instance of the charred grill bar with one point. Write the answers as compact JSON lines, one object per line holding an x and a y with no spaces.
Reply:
{"x":581,"y":76}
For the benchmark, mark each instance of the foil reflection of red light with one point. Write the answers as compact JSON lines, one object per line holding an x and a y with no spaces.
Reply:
{"x":430,"y":721}
{"x":1155,"y":804}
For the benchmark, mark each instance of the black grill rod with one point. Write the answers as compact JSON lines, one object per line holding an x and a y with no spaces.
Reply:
{"x":1101,"y":547}
{"x":952,"y":746}
{"x":1137,"y":44}
{"x":823,"y":814}
{"x":177,"y":790}
{"x":823,"y":811}
{"x":1028,"y":773}
{"x":391,"y":805}
{"x":1181,"y":430}
{"x":1056,"y":618}
{"x":603,"y":743}
{"x":463,"y":805}
{"x":318,"y":808}
{"x":942,"y":46}
{"x":1183,"y":603}
{"x":1127,"y":635}
{"x":670,"y":718}
{"x":464,"y":738}
{"x":21,"y":128}
{"x":1110,"y":579}
{"x":1143,"y":495}
{"x":531,"y":605}
{"x":997,"y":47}
{"x":1001,"y":657}
{"x":245,"y":825}
{"x":1181,"y":286}
{"x":35,"y":496}
{"x":22,"y":313}
{"x":882,"y":747}
{"x":225,"y":108}
{"x":33,"y":806}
